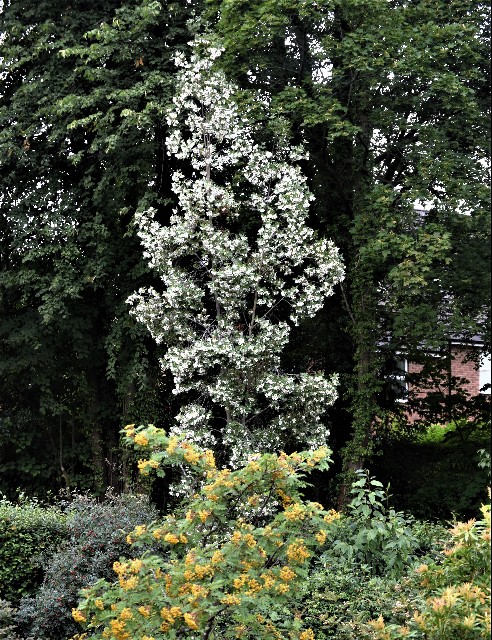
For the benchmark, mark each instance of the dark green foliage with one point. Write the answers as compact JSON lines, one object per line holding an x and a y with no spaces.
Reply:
{"x":96,"y":538}
{"x":84,"y":87}
{"x":355,"y":578}
{"x":448,"y":599}
{"x":438,"y":476}
{"x":381,"y":90}
{"x":27,"y":531}
{"x":341,"y":598}
{"x":392,"y":101}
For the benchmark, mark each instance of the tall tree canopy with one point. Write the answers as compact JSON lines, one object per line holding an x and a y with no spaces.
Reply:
{"x":84,"y":86}
{"x":392,"y":100}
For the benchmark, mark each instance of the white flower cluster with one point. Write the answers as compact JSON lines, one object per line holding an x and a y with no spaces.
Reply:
{"x":227,"y":296}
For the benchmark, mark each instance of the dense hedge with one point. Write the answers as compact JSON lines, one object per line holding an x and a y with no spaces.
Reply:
{"x":27,"y":530}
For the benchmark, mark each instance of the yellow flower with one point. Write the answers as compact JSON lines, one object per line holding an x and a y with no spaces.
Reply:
{"x":78,"y":616}
{"x":135,"y":565}
{"x":190,"y":620}
{"x":253,"y":466}
{"x":171,"y":538}
{"x":119,"y":568}
{"x":331,"y":516}
{"x":142,"y":466}
{"x":193,"y":457}
{"x":203,"y":515}
{"x":130,"y":430}
{"x":141,"y":440}
{"x":283,"y":588}
{"x":268,"y":580}
{"x":203,"y":570}
{"x":231,"y":599}
{"x":99,"y":604}
{"x":319,"y":454}
{"x":295,"y":511}
{"x":239,"y":582}
{"x":217,"y":557}
{"x":209,"y":459}
{"x":172,"y":445}
{"x":286,"y":574}
{"x":236,"y":537}
{"x":144,"y":611}
{"x":307,"y":635}
{"x":169,"y":615}
{"x":254,"y":586}
{"x":118,"y":630}
{"x":321,"y":536}
{"x":129,"y":584}
{"x":286,"y":499}
{"x":197,"y":591}
{"x":249,"y":540}
{"x":297,"y":552}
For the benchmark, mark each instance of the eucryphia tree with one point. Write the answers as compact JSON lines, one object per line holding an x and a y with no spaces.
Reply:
{"x":239,"y":267}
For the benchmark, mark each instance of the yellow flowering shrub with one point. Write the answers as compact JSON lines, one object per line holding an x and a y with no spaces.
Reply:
{"x":232,"y":555}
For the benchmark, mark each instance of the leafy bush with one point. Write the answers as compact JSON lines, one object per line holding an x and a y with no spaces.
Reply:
{"x":7,"y":622}
{"x":232,"y":554}
{"x":450,"y":601}
{"x":365,"y":554}
{"x":27,"y":530}
{"x":96,"y":538}
{"x":373,"y":535}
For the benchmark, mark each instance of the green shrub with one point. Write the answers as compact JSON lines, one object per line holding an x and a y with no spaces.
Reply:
{"x":96,"y":538}
{"x":373,"y":535}
{"x":356,"y":578}
{"x":27,"y":530}
{"x":7,"y":622}
{"x":447,"y":601}
{"x":341,"y":596}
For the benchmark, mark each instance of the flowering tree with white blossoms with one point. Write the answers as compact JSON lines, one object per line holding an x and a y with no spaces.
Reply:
{"x":232,"y":290}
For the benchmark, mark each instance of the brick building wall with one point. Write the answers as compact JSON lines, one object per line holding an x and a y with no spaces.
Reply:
{"x":462,"y":367}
